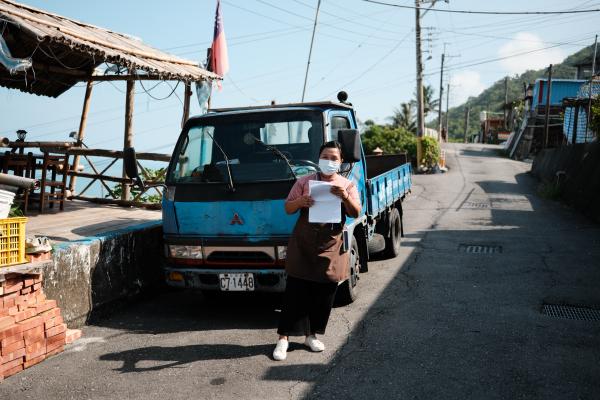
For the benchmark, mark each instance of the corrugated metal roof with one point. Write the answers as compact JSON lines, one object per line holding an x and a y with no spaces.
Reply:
{"x":65,"y":51}
{"x":561,"y":88}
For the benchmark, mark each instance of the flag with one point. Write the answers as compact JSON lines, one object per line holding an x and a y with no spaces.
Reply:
{"x":219,"y":61}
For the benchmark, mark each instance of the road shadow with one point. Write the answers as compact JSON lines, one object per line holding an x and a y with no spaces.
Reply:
{"x":172,"y":357}
{"x":455,"y":323}
{"x":188,"y":310}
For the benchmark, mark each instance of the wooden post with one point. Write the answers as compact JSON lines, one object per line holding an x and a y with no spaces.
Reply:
{"x":466,"y":122}
{"x":447,"y":107}
{"x":186,"y":102}
{"x":547,"y":116}
{"x":81,"y":131}
{"x":420,"y":113}
{"x":128,"y":136}
{"x":589,"y":106}
{"x":505,"y":102}
{"x":440,"y":100}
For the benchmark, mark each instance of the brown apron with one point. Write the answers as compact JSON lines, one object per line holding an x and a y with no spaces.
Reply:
{"x":315,"y":251}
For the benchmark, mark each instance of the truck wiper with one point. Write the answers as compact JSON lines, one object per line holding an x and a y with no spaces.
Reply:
{"x":227,"y":162}
{"x":278,"y":153}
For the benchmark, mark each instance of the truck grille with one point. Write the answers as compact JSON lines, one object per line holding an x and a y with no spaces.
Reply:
{"x":239,"y":256}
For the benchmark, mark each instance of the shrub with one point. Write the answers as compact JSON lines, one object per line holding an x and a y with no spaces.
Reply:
{"x":390,"y":140}
{"x":150,"y":175}
{"x":431,"y":151}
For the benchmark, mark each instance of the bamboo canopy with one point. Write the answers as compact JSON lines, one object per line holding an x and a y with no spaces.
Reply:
{"x":60,"y":52}
{"x":64,"y":51}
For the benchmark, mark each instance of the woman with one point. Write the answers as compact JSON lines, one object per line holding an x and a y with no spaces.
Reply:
{"x":315,"y":260}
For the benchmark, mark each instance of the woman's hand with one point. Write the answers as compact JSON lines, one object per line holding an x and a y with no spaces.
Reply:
{"x":305,"y":201}
{"x":301,"y":202}
{"x":340,"y":192}
{"x":352,"y":206}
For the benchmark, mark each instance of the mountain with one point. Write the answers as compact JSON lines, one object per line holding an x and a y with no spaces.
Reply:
{"x":492,"y":98}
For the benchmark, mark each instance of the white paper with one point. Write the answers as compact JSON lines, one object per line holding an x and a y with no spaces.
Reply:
{"x":327,"y":207}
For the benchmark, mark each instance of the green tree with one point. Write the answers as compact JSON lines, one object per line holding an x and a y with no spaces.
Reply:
{"x":404,"y":118}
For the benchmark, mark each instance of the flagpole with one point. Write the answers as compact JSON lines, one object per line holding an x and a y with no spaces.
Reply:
{"x":311,"y":47}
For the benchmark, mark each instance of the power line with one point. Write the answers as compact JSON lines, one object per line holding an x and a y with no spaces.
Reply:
{"x":466,"y":64}
{"x":147,"y":91}
{"x":298,"y":26}
{"x":375,"y":64}
{"x":353,"y":22}
{"x":402,"y":79}
{"x":487,"y":12}
{"x":323,"y":23}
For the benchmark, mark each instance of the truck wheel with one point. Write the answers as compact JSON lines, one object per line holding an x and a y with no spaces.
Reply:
{"x":393,"y":239}
{"x":348,"y":291}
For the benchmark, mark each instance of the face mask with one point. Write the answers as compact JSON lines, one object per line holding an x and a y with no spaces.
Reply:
{"x":329,"y":167}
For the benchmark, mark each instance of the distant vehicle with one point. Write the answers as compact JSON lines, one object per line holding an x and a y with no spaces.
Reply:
{"x":225,"y":227}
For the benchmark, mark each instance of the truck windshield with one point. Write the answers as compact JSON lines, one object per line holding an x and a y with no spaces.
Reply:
{"x":296,"y":134}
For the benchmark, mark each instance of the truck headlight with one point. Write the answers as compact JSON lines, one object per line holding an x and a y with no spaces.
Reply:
{"x":281,"y":252}
{"x":179,"y":251}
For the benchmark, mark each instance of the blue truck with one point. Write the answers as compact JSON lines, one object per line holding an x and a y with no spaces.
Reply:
{"x":225,"y":227}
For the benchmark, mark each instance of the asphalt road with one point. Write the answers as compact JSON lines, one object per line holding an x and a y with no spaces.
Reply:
{"x":437,"y":322}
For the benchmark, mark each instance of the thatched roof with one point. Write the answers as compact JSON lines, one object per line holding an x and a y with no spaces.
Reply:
{"x":65,"y":51}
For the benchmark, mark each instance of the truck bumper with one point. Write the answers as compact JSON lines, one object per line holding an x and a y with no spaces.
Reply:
{"x":265,"y":280}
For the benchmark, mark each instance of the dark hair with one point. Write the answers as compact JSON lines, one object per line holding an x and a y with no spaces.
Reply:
{"x":333,"y":144}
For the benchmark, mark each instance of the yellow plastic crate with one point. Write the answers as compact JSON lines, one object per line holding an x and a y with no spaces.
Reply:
{"x":12,"y":241}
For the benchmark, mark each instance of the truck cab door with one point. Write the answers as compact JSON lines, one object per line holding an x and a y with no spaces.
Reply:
{"x":338,"y":120}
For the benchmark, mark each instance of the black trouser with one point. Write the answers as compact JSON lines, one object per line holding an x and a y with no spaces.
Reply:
{"x":306,"y":307}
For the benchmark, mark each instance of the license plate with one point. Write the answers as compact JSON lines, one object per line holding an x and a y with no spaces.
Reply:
{"x":236,"y":282}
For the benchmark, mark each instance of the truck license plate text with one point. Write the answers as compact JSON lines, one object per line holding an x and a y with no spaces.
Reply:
{"x":236,"y":282}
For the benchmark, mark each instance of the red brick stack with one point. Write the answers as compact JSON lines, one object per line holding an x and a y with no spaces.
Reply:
{"x":31,"y":326}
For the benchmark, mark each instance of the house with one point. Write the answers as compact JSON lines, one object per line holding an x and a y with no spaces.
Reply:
{"x":531,"y":136}
{"x":575,"y":111}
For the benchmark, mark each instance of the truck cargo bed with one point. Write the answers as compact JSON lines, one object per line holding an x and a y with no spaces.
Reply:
{"x":388,"y":180}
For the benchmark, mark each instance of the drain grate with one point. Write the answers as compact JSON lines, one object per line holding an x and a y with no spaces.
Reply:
{"x":470,"y":204}
{"x":479,"y":248}
{"x":571,"y":312}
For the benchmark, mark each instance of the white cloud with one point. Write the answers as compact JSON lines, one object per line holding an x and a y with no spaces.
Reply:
{"x":463,"y":85}
{"x":525,"y":42}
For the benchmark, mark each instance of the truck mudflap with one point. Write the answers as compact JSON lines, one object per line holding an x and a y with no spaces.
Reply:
{"x":259,"y":280}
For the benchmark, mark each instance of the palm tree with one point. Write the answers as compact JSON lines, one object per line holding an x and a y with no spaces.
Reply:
{"x":429,"y":103}
{"x":403,"y":117}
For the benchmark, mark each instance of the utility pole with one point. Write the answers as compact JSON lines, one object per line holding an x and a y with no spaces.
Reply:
{"x":420,"y":114}
{"x":447,"y":108}
{"x":440,"y":100}
{"x":466,"y":122}
{"x":505,"y":102}
{"x":589,"y":110}
{"x":547,"y":116}
{"x":311,"y":47}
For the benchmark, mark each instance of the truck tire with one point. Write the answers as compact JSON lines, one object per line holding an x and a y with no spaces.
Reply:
{"x":376,"y":244}
{"x":393,"y":238}
{"x":348,"y":291}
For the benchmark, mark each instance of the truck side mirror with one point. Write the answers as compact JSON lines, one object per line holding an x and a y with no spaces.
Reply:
{"x":131,"y":169}
{"x":350,"y":141}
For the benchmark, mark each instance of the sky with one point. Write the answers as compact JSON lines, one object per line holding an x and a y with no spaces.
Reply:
{"x":366,"y":49}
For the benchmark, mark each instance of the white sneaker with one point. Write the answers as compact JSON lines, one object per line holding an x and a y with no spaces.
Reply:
{"x":280,"y":352}
{"x":314,"y":343}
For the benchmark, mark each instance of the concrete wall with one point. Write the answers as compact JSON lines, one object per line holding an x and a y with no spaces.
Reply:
{"x":90,"y":274}
{"x":580,"y":185}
